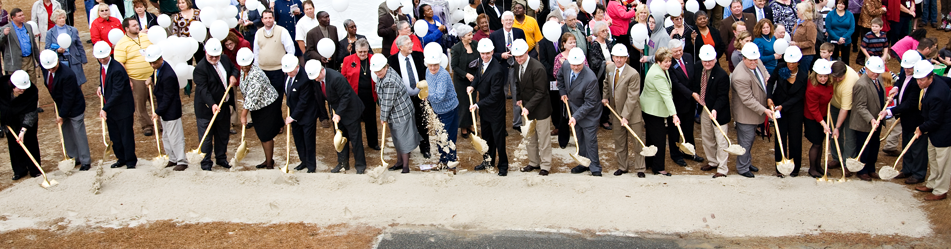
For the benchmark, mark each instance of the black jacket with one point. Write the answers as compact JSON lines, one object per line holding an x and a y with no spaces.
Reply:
{"x":490,"y":87}
{"x":498,"y":40}
{"x":907,"y":109}
{"x":680,"y":84}
{"x":300,"y":99}
{"x":150,"y":20}
{"x":342,"y":48}
{"x":546,"y":55}
{"x":67,"y":95}
{"x":17,"y":112}
{"x":210,"y":89}
{"x":596,"y":58}
{"x":341,"y":97}
{"x":117,"y":92}
{"x":168,"y":104}
{"x":495,"y":22}
{"x":717,"y":95}
{"x":768,"y":12}
{"x":384,"y":29}
{"x":720,"y":45}
{"x":937,"y":113}
{"x":791,"y":96}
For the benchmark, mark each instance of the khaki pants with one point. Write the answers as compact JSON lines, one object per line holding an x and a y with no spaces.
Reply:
{"x":539,"y":144}
{"x":31,"y":69}
{"x":143,"y":113}
{"x":938,"y":175}
{"x":714,"y":144}
{"x":621,"y":139}
{"x":893,"y":140}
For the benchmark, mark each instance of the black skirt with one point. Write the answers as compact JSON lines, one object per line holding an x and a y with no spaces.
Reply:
{"x":268,"y":121}
{"x":814,"y":131}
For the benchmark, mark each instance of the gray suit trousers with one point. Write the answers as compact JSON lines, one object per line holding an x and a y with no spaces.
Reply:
{"x":75,"y":139}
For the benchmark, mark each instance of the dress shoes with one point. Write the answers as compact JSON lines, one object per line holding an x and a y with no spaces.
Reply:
{"x":85,"y":167}
{"x":300,"y":167}
{"x":530,"y":168}
{"x":130,"y":166}
{"x":641,"y":175}
{"x":663,"y":174}
{"x":874,"y":175}
{"x":36,"y":175}
{"x":598,"y":174}
{"x":359,"y":171}
{"x":912,"y":181}
{"x":180,"y":167}
{"x":902,"y":175}
{"x":224,"y":164}
{"x":206,"y":168}
{"x":18,"y":177}
{"x":718,"y":175}
{"x":148,"y":133}
{"x":696,"y":158}
{"x":754,"y":168}
{"x":116,"y":165}
{"x":483,"y":165}
{"x":707,"y":168}
{"x":681,"y":162}
{"x":865,"y":177}
{"x":170,"y":164}
{"x":748,"y":174}
{"x":503,"y":172}
{"x":375,"y":147}
{"x":891,"y":153}
{"x":579,"y":169}
{"x":339,"y":167}
{"x":607,"y":127}
{"x":923,"y":189}
{"x":396,"y":167}
{"x":426,"y":154}
{"x":261,"y":166}
{"x":620,"y":172}
{"x":543,"y":172}
{"x":936,"y":197}
{"x":315,"y":171}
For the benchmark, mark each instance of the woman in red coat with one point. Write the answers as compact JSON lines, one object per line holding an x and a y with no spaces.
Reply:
{"x":232,"y":44}
{"x":356,"y":68}
{"x":99,"y":30}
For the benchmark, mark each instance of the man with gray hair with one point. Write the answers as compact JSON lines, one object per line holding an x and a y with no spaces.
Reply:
{"x":405,"y":29}
{"x":502,"y":40}
{"x":681,"y":74}
{"x":573,"y":26}
{"x":409,"y":64}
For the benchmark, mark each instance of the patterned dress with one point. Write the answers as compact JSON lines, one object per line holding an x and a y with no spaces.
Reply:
{"x":396,"y":109}
{"x":784,"y":14}
{"x":180,"y":25}
{"x":260,"y":98}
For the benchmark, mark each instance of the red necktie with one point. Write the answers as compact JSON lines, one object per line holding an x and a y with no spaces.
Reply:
{"x":49,"y":83}
{"x":681,"y":61}
{"x":102,"y":78}
{"x":323,"y":88}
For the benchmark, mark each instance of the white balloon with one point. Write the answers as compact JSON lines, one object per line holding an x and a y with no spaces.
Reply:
{"x":208,"y":15}
{"x":219,"y":29}
{"x":917,"y":1}
{"x":64,"y":40}
{"x":589,"y":5}
{"x":552,"y":31}
{"x":674,"y":8}
{"x":639,"y":33}
{"x":658,"y":8}
{"x":407,"y":7}
{"x":191,"y":44}
{"x":261,"y":8}
{"x":163,"y":20}
{"x":251,"y":4}
{"x":421,"y":27}
{"x":444,"y":61}
{"x":114,"y":36}
{"x":787,"y":37}
{"x":392,"y":4}
{"x":724,"y":3}
{"x":692,"y":6}
{"x":201,"y":4}
{"x":780,"y":46}
{"x":668,"y":23}
{"x":326,"y":47}
{"x":229,"y":11}
{"x":184,"y":73}
{"x":709,"y":3}
{"x":533,"y":4}
{"x":564,"y":3}
{"x":638,"y":44}
{"x":198,"y":30}
{"x":157,"y":34}
{"x":232,"y":22}
{"x":341,"y":5}
{"x":33,"y":26}
{"x":458,"y":15}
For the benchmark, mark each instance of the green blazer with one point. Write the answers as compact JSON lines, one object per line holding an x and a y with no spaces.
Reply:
{"x":656,"y":99}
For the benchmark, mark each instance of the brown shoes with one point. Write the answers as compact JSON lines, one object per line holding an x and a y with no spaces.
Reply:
{"x":891,"y":153}
{"x":529,"y":168}
{"x":180,"y":167}
{"x":170,"y":164}
{"x":707,"y":168}
{"x":936,"y":197}
{"x":923,"y":189}
{"x":718,"y":175}
{"x":865,"y":177}
{"x":912,"y":181}
{"x":902,"y":176}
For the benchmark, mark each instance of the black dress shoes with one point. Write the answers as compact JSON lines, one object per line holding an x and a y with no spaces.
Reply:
{"x":718,"y":175}
{"x":748,"y":174}
{"x":396,"y":167}
{"x":338,"y":168}
{"x":359,"y":171}
{"x":543,"y":172}
{"x":681,"y":162}
{"x":641,"y":175}
{"x":619,"y":172}
{"x":483,"y":165}
{"x":375,"y":147}
{"x":224,"y":164}
{"x":530,"y":168}
{"x":426,"y":154}
{"x":754,"y":168}
{"x":311,"y":171}
{"x":36,"y":175}
{"x":598,"y":174}
{"x":579,"y":169}
{"x":116,"y":165}
{"x":503,"y":172}
{"x":85,"y":167}
{"x":300,"y":167}
{"x":130,"y":166}
{"x":18,"y":177}
{"x":696,"y":158}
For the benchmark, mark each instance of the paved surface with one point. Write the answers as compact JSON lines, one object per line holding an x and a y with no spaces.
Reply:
{"x":439,"y":238}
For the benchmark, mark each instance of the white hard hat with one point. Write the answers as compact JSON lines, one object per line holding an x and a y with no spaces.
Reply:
{"x":313,"y":68}
{"x":244,"y":57}
{"x":153,"y":53}
{"x":750,"y":51}
{"x":575,"y":56}
{"x":48,"y":59}
{"x":909,"y":59}
{"x":707,"y":53}
{"x":377,"y":62}
{"x":486,"y":46}
{"x":213,"y":47}
{"x":793,"y":54}
{"x":619,"y":50}
{"x":101,"y":50}
{"x":289,"y":62}
{"x":432,"y":58}
{"x":923,"y":68}
{"x":20,"y":79}
{"x":519,"y":47}
{"x":822,"y":66}
{"x":875,"y":64}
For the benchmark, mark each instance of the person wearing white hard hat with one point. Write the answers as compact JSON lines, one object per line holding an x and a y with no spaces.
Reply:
{"x":261,"y":101}
{"x":658,"y":109}
{"x":682,"y":72}
{"x":356,"y":69}
{"x":748,"y":104}
{"x":302,"y":111}
{"x":21,"y":51}
{"x":711,"y":88}
{"x":409,"y":64}
{"x":18,"y":104}
{"x":71,"y":105}
{"x":786,"y":90}
{"x":396,"y":111}
{"x":118,"y":105}
{"x":566,"y":43}
{"x":868,"y":97}
{"x":489,"y":85}
{"x":622,"y":90}
{"x":893,"y":144}
{"x":213,"y":75}
{"x":934,"y":111}
{"x":346,"y":108}
{"x":844,"y":78}
{"x":75,"y":54}
{"x":442,"y":98}
{"x":816,"y":126}
{"x":906,"y":92}
{"x":531,"y":78}
{"x":579,"y":90}
{"x":168,"y":107}
{"x":129,"y":52}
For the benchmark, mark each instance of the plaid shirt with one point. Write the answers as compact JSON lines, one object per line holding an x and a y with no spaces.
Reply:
{"x":395,"y":105}
{"x":875,"y":45}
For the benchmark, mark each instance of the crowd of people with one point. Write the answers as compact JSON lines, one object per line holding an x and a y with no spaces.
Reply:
{"x":786,"y":67}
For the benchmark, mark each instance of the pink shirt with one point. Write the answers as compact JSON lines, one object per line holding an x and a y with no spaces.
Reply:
{"x":904,"y":45}
{"x":621,"y":18}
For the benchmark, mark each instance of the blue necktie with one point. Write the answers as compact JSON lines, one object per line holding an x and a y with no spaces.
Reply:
{"x":409,"y":72}
{"x":573,"y":77}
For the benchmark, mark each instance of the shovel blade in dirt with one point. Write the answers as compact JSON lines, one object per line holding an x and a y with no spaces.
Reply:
{"x":687,"y":148}
{"x":528,"y":128}
{"x":785,"y":166}
{"x":854,"y":165}
{"x":887,"y":173}
{"x":583,"y":161}
{"x":479,"y":144}
{"x":735,"y":149}
{"x":649,"y":151}
{"x":48,"y":183}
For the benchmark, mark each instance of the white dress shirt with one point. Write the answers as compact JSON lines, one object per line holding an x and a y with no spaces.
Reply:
{"x":304,"y":25}
{"x":405,"y":75}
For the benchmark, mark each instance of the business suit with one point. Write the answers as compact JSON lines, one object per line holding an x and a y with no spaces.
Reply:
{"x":791,"y":96}
{"x":300,"y":92}
{"x":748,"y":108}
{"x":489,"y":86}
{"x":385,"y":29}
{"x":348,"y":106}
{"x":915,"y":161}
{"x":719,"y":45}
{"x":680,"y":77}
{"x":534,"y":86}
{"x":209,"y":91}
{"x":313,"y":37}
{"x":622,"y":92}
{"x":726,"y":26}
{"x":585,"y":102}
{"x":168,"y":106}
{"x":393,"y":62}
{"x":767,"y":13}
{"x":868,"y":96}
{"x":716,"y":97}
{"x":936,"y":114}
{"x":499,"y":40}
{"x":119,"y":107}
{"x":69,"y":100}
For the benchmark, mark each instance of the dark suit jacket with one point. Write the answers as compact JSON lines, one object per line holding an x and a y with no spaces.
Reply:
{"x":168,"y":104}
{"x":546,"y":55}
{"x":717,"y":95}
{"x":65,"y":92}
{"x":150,"y":20}
{"x":300,"y":99}
{"x":680,"y":84}
{"x":533,"y":90}
{"x":314,"y":36}
{"x":583,"y":94}
{"x":726,"y":26}
{"x":19,"y":111}
{"x":937,"y":113}
{"x":117,"y":92}
{"x":498,"y":40}
{"x":341,"y":97}
{"x":907,"y":109}
{"x":342,"y":51}
{"x":768,"y":12}
{"x":209,"y":88}
{"x":385,"y":30}
{"x":495,"y":22}
{"x":490,"y":85}
{"x":394,"y":62}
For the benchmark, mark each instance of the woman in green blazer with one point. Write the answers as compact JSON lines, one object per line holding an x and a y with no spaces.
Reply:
{"x":658,"y":107}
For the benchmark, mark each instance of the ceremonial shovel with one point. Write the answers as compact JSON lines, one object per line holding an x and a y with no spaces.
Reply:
{"x":105,"y":152}
{"x":784,"y":166}
{"x":67,"y":163}
{"x":241,"y":152}
{"x":529,"y":125}
{"x":890,"y":172}
{"x":647,"y":151}
{"x":160,"y":159}
{"x":889,"y":130}
{"x":383,"y":146}
{"x":339,"y":140}
{"x":734,"y":149}
{"x":287,"y":143}
{"x":853,"y":163}
{"x":46,"y":181}
{"x":836,"y":141}
{"x":584,"y":161}
{"x":196,"y":153}
{"x":684,"y":146}
{"x":478,"y":143}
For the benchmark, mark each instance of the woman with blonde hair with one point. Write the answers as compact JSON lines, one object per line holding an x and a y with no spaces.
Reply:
{"x":804,"y":35}
{"x":818,"y":94}
{"x":658,"y":108}
{"x":742,"y":38}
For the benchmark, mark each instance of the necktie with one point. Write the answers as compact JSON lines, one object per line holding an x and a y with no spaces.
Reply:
{"x":573,"y":76}
{"x":520,"y":72}
{"x":759,"y":14}
{"x":617,"y":74}
{"x":681,"y":62}
{"x":222,"y":78}
{"x":508,"y":39}
{"x":409,"y":72}
{"x":323,"y":88}
{"x":921,"y":96}
{"x":758,"y":79}
{"x":287,"y":85}
{"x":102,"y":77}
{"x":703,"y":86}
{"x":49,"y":83}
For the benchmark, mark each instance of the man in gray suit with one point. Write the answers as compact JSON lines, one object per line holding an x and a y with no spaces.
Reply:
{"x":748,"y":103}
{"x":579,"y":88}
{"x":20,"y":50}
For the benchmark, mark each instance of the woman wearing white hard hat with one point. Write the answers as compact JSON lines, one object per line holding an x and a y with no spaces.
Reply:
{"x":260,"y":100}
{"x":442,"y":98}
{"x":788,"y":88}
{"x":356,"y":68}
{"x":463,"y":54}
{"x":70,"y":103}
{"x":906,"y":94}
{"x":18,"y":105}
{"x":818,"y":95}
{"x":73,"y":54}
{"x":168,"y":107}
{"x":658,"y":107}
{"x":396,"y":111}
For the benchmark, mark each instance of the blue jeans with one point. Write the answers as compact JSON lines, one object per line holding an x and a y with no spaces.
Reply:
{"x":89,"y":5}
{"x":805,"y":63}
{"x":929,"y":13}
{"x":450,"y":121}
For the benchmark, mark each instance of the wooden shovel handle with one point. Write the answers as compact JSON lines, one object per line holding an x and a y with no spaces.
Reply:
{"x":61,"y":136}
{"x":475,"y":128}
{"x":213,"y":117}
{"x":890,"y":128}
{"x":626,"y":126}
{"x":29,"y":154}
{"x":717,"y":124}
{"x":158,"y":136}
{"x":779,"y":138}
{"x":910,"y":142}
{"x":872,"y":131}
{"x":573,"y":134}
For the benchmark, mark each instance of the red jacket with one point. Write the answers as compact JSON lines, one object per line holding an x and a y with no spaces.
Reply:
{"x":99,"y":31}
{"x":233,"y":54}
{"x":417,"y":46}
{"x":351,"y":70}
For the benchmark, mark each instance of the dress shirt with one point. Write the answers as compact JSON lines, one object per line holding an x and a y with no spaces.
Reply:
{"x":405,"y":75}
